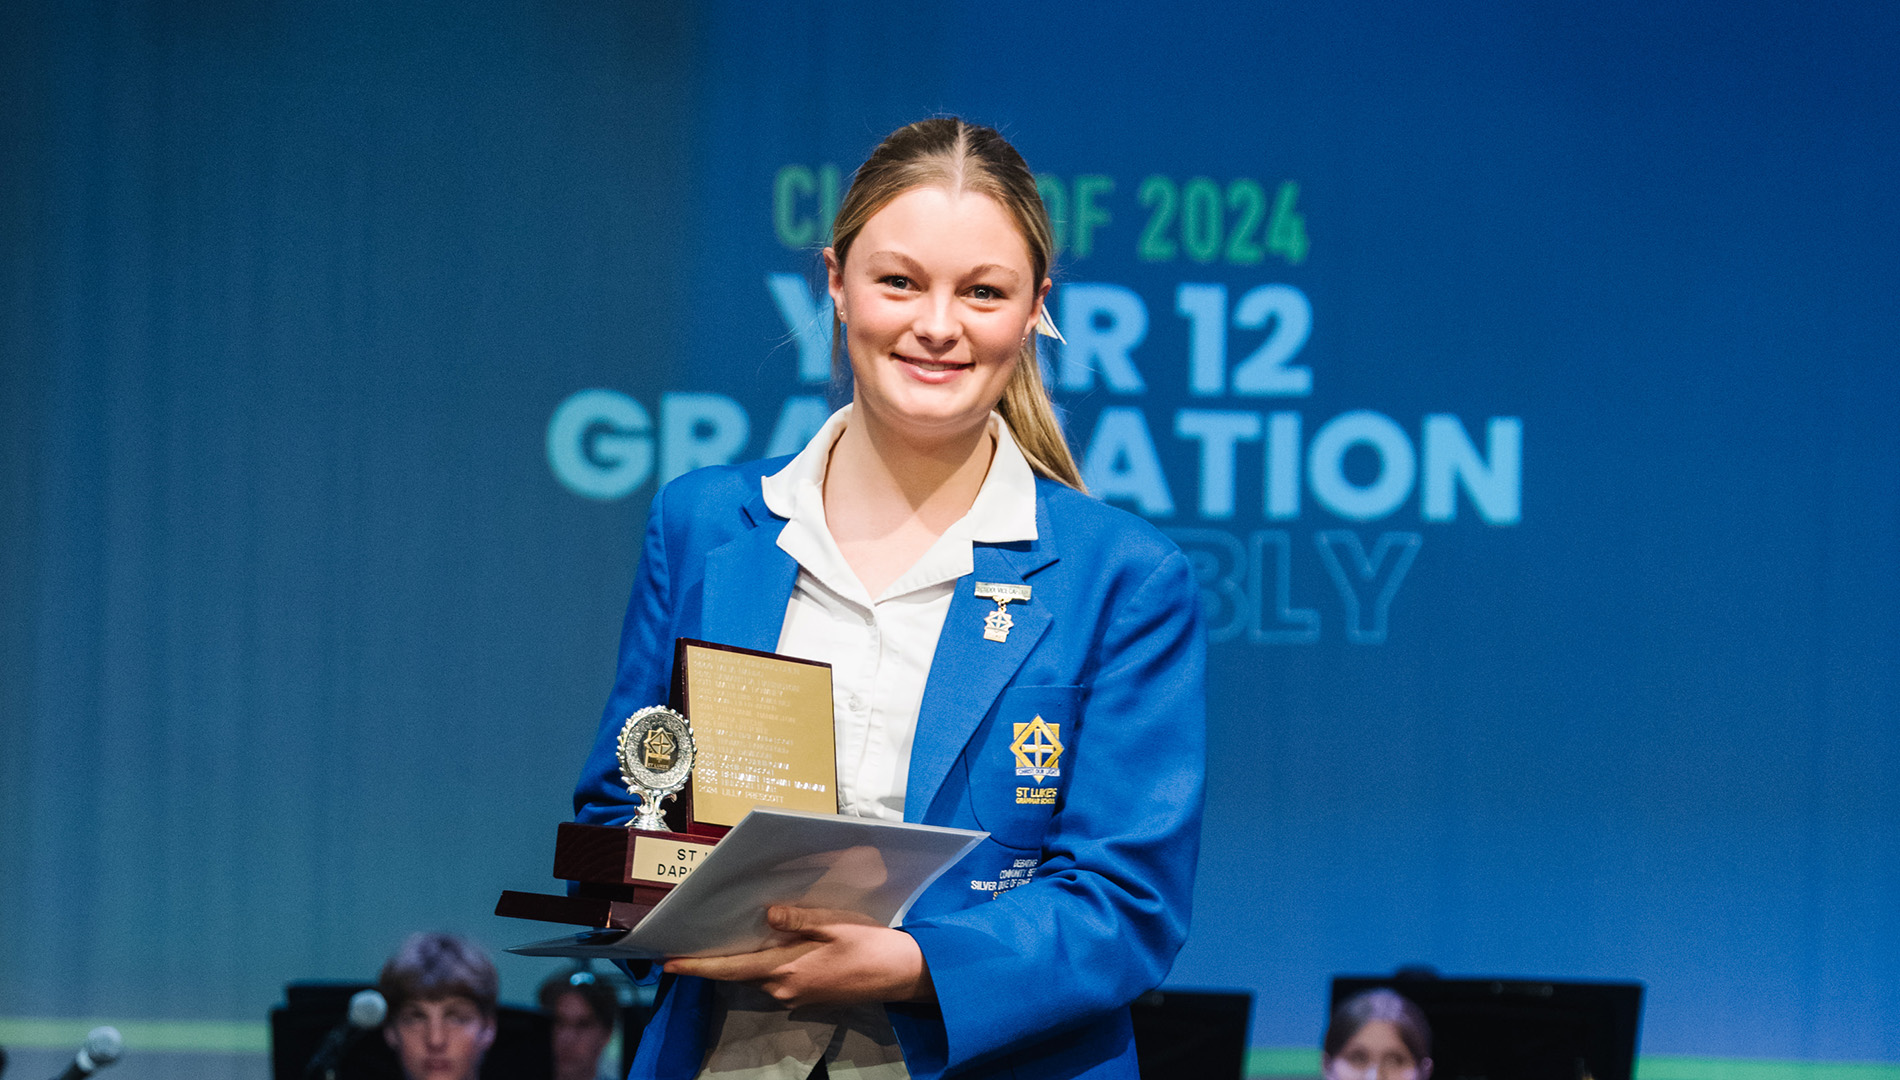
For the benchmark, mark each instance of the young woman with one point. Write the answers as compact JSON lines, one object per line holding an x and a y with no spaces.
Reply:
{"x":1377,"y":1035}
{"x":1068,"y":723}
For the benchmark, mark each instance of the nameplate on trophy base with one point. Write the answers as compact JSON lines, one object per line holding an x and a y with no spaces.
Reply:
{"x":663,"y":860}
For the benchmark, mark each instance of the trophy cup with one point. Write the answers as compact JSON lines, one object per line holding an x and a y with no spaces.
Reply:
{"x":656,"y":758}
{"x":745,"y":729}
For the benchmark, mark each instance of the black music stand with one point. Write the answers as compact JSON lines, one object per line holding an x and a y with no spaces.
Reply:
{"x":1192,"y":1033}
{"x":523,"y":1047}
{"x":1526,"y":1029}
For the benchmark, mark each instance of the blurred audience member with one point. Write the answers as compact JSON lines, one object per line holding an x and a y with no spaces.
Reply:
{"x":442,"y":991}
{"x":583,"y":1009}
{"x":1377,"y":1035}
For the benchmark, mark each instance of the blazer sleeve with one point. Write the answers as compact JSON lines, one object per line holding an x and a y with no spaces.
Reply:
{"x":642,"y":676}
{"x":1108,"y":908}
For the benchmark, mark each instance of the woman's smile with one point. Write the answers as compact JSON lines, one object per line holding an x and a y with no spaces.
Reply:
{"x":934,"y":370}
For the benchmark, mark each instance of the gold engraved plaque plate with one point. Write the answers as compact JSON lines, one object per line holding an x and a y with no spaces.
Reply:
{"x":764,"y":731}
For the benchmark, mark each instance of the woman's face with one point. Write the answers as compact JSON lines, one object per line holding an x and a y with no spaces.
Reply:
{"x":937,"y":295}
{"x":1375,"y":1052}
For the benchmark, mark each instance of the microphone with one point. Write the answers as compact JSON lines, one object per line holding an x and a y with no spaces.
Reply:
{"x":101,"y":1048}
{"x":367,"y":1009}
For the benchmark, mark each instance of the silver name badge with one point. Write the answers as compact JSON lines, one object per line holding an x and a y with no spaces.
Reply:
{"x":997,"y":623}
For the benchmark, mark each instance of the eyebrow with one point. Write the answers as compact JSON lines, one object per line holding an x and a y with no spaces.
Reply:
{"x":980,"y":270}
{"x":988,"y":269}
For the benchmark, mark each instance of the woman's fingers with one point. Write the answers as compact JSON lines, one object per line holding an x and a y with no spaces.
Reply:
{"x":813,"y":923}
{"x":743,"y":967}
{"x":838,"y":956}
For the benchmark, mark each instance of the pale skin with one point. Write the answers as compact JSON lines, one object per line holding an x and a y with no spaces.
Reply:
{"x":1376,"y":1049}
{"x":938,"y":295}
{"x":442,"y":1039}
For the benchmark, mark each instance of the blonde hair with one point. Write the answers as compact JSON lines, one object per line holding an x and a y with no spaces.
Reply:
{"x":949,"y":153}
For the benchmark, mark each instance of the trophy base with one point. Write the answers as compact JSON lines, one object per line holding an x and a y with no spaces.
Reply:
{"x":596,"y":911}
{"x":605,"y":853}
{"x":619,"y":874}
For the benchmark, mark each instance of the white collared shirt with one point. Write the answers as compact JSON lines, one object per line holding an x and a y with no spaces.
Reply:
{"x":880,"y":648}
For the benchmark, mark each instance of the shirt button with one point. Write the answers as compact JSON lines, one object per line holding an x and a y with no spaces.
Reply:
{"x":855,"y":702}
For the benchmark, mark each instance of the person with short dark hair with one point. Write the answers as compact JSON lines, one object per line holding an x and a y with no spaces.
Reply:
{"x":583,"y":1010}
{"x":442,"y":993}
{"x":1377,"y":1035}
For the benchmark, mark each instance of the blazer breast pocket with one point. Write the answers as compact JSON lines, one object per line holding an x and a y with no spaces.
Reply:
{"x":1020,"y":762}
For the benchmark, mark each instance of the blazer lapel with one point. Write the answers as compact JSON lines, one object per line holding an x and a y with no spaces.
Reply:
{"x":749,"y":582}
{"x":969,"y":672}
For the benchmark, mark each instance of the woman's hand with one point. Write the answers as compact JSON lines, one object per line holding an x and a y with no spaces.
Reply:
{"x":838,"y":956}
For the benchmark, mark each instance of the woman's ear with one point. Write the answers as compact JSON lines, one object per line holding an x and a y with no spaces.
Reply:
{"x":834,"y":282}
{"x":1036,"y":313}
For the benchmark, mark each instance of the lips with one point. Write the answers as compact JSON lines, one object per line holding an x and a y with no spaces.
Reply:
{"x":932,"y":369}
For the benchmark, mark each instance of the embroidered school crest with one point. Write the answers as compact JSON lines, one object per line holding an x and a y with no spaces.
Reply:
{"x":1038,"y":749}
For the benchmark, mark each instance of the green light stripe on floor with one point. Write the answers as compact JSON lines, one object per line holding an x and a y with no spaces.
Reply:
{"x":237,"y":1037}
{"x":141,"y":1036}
{"x":1263,"y":1061}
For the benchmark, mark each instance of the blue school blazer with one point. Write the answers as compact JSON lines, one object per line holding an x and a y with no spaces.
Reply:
{"x":1079,"y":900}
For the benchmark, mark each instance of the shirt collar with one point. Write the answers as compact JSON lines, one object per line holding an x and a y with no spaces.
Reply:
{"x":1004,"y":510}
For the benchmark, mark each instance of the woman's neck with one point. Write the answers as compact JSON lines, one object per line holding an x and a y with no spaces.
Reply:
{"x":888,"y":498}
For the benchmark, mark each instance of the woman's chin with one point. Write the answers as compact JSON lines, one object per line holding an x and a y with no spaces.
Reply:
{"x":932,"y":416}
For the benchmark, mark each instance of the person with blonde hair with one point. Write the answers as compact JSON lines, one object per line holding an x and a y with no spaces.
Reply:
{"x":1008,"y":654}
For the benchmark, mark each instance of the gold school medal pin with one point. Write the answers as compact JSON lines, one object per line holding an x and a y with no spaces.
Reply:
{"x":997,"y":623}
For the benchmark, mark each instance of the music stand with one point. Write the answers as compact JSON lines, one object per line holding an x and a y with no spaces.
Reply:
{"x":1527,"y":1029}
{"x":523,"y":1046}
{"x":1197,"y":1033}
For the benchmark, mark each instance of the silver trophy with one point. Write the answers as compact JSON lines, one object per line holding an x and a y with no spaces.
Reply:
{"x":656,"y":758}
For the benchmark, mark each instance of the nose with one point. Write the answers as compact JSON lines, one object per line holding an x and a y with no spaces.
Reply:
{"x":437,"y":1037}
{"x":936,"y":326}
